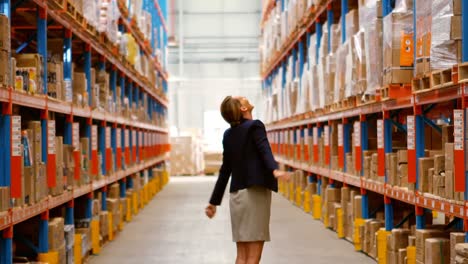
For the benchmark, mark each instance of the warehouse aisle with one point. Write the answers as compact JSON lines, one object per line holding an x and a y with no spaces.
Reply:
{"x":173,"y":229}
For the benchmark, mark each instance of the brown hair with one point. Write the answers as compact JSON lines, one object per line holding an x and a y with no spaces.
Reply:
{"x":230,"y":110}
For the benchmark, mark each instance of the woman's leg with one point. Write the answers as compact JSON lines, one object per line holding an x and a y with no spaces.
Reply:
{"x":241,"y":253}
{"x":254,"y":251}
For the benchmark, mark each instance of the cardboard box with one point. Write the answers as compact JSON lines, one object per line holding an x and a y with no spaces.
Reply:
{"x":456,"y":28}
{"x":439,"y":164}
{"x":402,"y":253}
{"x":402,"y":156}
{"x":462,"y":250}
{"x":33,"y":63}
{"x":399,"y":239}
{"x":4,"y":198}
{"x":437,"y":250}
{"x":455,"y":238}
{"x":56,"y":233}
{"x":424,"y":178}
{"x":421,"y":236}
{"x":5,"y":69}
{"x":398,"y":76}
{"x":449,"y":156}
{"x":392,"y":257}
{"x":5,"y":41}
{"x":449,"y":184}
{"x":357,"y":206}
{"x":333,"y":194}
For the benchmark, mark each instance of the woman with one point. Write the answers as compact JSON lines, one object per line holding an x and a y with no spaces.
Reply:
{"x":248,"y":157}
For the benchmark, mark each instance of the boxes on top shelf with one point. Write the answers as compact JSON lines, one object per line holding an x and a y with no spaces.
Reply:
{"x":29,"y":66}
{"x":398,"y":47}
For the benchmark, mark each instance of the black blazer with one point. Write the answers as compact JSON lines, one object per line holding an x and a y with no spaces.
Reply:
{"x":247,"y":156}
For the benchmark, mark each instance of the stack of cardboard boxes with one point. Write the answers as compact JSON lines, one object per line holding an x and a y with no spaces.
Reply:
{"x":397,"y":242}
{"x":398,"y":45}
{"x":5,"y":48}
{"x":186,"y":155}
{"x":57,"y":238}
{"x":438,"y":39}
{"x":461,"y":251}
{"x":456,"y":238}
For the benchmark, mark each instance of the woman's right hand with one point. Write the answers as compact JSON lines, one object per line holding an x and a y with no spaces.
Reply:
{"x":210,"y":211}
{"x":281,"y":175}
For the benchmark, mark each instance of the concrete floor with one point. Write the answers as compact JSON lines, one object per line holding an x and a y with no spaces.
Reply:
{"x":173,"y":229}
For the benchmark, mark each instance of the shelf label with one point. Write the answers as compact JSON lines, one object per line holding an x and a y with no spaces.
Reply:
{"x":299,"y":140}
{"x":16,"y":149}
{"x":458,"y":149}
{"x":380,"y":148}
{"x":16,"y":184}
{"x":134,"y":138}
{"x":108,"y":137}
{"x":315,"y":142}
{"x":357,"y":146}
{"x":411,"y":130}
{"x":51,"y":137}
{"x":326,"y":143}
{"x":76,"y":136}
{"x":306,"y":144}
{"x":94,"y":137}
{"x":119,"y":137}
{"x":341,"y":155}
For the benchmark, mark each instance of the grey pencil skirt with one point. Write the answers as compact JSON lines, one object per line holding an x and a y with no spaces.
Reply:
{"x":250,"y":214}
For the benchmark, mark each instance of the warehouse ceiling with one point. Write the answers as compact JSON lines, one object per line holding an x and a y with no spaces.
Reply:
{"x":214,"y":39}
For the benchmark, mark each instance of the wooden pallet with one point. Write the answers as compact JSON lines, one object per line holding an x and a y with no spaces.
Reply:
{"x":421,"y":83}
{"x":366,"y":99}
{"x":463,"y":72}
{"x":441,"y":78}
{"x":57,"y":4}
{"x":70,"y":10}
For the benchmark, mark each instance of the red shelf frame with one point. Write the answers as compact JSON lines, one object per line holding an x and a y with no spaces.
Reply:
{"x":411,"y":197}
{"x":17,"y":215}
{"x":42,"y":102}
{"x":420,"y":98}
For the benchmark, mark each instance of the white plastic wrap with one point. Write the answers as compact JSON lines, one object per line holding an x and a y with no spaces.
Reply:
{"x":340,"y":73}
{"x":312,"y":55}
{"x":330,"y":70}
{"x":369,"y":48}
{"x":323,"y":50}
{"x":321,"y":76}
{"x":397,"y":40}
{"x":314,"y":96}
{"x":445,"y":27}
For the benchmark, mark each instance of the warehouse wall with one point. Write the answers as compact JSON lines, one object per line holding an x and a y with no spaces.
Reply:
{"x":209,"y":64}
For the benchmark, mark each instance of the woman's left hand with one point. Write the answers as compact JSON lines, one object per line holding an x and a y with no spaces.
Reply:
{"x":210,"y":211}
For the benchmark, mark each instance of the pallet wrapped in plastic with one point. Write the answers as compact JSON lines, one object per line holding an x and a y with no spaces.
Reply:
{"x":312,"y":54}
{"x":398,"y":45}
{"x":335,"y":37}
{"x":330,"y":70}
{"x":446,"y":35}
{"x":305,"y":91}
{"x":423,"y":38}
{"x":350,"y":70}
{"x":371,"y":26}
{"x":340,"y":73}
{"x":323,"y":48}
{"x":321,"y":77}
{"x":314,"y":96}
{"x":90,"y":12}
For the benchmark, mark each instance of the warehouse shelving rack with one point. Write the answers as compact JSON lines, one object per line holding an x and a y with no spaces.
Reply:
{"x":135,"y":145}
{"x":422,"y":107}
